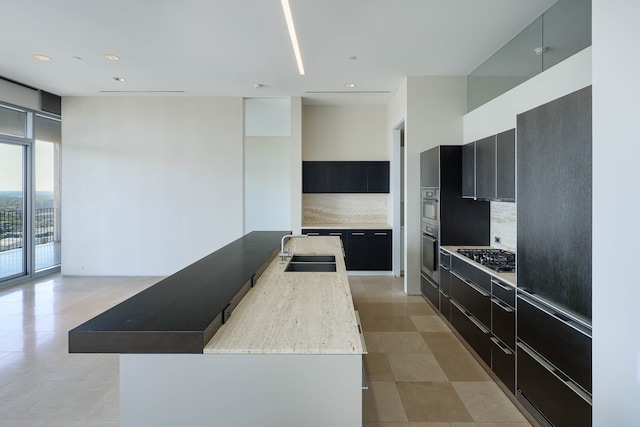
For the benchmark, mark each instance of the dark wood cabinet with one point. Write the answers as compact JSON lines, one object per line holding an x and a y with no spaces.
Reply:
{"x":368,"y":250}
{"x":486,"y":168}
{"x":503,"y":363}
{"x":543,"y":389}
{"x":506,"y":165}
{"x":377,"y":177}
{"x":491,"y":174}
{"x":472,"y":297}
{"x":469,"y":170}
{"x":554,"y":210}
{"x":445,"y":284}
{"x":476,"y":334}
{"x":430,"y":168}
{"x":430,"y":290}
{"x":345,"y":177}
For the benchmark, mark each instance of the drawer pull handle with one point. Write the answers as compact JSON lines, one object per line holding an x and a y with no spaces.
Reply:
{"x":335,"y":234}
{"x":503,"y":347}
{"x":472,"y":285}
{"x":357,"y":234}
{"x":502,"y":286}
{"x":380,"y":234}
{"x":502,"y":305}
{"x":556,"y":373}
{"x":313,"y":234}
{"x":444,"y":267}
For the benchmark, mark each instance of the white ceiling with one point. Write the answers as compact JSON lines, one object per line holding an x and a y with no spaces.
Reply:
{"x":224,"y":47}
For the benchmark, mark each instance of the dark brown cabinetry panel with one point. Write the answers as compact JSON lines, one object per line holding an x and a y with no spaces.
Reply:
{"x":486,"y":168}
{"x":368,"y":250}
{"x":472,"y":331}
{"x":469,"y":170}
{"x":430,"y":290}
{"x":506,"y":165}
{"x":541,"y":388}
{"x":345,"y":177}
{"x":554,"y":210}
{"x":491,"y":173}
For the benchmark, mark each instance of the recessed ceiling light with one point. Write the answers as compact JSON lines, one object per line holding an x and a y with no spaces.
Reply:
{"x":292,"y":34}
{"x":112,"y":57}
{"x":42,"y":57}
{"x":350,"y":85}
{"x":118,"y":79}
{"x":353,"y":58}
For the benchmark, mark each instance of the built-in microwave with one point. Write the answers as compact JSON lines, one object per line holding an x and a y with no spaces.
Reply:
{"x":429,"y":202}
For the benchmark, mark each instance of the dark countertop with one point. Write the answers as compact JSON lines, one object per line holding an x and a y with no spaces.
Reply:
{"x":182,"y":312}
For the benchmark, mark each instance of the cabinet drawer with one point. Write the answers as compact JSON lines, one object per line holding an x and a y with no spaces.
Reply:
{"x":503,"y":363}
{"x":506,"y":293}
{"x":445,"y":258}
{"x":472,"y":273}
{"x":554,"y":396}
{"x":430,"y":290}
{"x":445,"y":306}
{"x":503,"y":322}
{"x":445,"y":280}
{"x":557,"y":338}
{"x":474,"y":333}
{"x":473,"y":298}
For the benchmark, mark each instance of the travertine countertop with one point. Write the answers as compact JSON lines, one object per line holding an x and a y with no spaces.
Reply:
{"x":508,"y":278}
{"x":354,"y":226}
{"x":294,"y":313}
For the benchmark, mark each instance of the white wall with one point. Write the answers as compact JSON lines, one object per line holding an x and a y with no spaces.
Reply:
{"x":396,"y":114}
{"x":296,"y":164}
{"x":616,"y":276}
{"x":149,"y":184}
{"x":267,"y":183}
{"x":435,"y":106}
{"x":267,"y":164}
{"x":341,"y":132}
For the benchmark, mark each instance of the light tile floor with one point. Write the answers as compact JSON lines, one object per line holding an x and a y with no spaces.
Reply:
{"x":419,"y":373}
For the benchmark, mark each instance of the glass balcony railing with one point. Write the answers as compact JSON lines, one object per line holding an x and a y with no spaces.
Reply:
{"x":562,"y":31}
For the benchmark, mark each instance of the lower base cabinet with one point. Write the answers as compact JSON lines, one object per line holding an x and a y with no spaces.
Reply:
{"x":546,"y":391}
{"x":365,"y":250}
{"x":472,"y":331}
{"x":430,"y":290}
{"x":503,"y":363}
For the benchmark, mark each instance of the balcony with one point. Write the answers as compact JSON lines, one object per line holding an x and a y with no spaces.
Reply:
{"x":46,"y":239}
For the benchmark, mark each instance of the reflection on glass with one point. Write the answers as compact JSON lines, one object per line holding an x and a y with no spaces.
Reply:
{"x":514,"y":63}
{"x":562,"y":31}
{"x":12,"y":226}
{"x":47,"y":237}
{"x":567,"y":30}
{"x":13,"y":122}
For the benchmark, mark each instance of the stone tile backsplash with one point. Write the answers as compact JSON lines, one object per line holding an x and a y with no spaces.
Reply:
{"x":344,"y":208}
{"x":503,"y":225}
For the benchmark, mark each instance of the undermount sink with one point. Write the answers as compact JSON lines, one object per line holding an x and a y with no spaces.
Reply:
{"x":312,"y":263}
{"x":313,"y":258}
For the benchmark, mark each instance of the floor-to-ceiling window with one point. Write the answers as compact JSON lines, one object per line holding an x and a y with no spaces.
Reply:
{"x":29,"y":193}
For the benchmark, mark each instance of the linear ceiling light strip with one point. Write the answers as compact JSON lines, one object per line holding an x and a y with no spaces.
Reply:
{"x":292,"y":34}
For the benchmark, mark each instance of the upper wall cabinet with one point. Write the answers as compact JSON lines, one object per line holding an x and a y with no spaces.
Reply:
{"x":488,"y":171}
{"x":345,"y":177}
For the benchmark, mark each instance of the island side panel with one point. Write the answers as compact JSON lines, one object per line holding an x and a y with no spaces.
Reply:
{"x":230,"y":389}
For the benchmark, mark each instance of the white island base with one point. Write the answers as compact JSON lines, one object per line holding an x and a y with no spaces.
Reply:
{"x":240,"y":390}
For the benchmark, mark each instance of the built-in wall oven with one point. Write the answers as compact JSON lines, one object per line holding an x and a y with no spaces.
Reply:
{"x":429,"y":248}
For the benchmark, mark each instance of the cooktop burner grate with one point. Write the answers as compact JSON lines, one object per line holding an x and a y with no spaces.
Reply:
{"x":496,"y":259}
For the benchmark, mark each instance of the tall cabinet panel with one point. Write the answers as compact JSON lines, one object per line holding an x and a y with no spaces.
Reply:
{"x":554,"y":202}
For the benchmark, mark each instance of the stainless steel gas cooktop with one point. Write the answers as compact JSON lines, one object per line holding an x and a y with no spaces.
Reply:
{"x":496,"y":259}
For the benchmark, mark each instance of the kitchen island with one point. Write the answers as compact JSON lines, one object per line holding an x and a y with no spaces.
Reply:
{"x":290,"y":353}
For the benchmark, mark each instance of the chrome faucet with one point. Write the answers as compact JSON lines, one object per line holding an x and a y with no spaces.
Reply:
{"x":284,"y":254}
